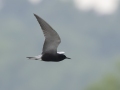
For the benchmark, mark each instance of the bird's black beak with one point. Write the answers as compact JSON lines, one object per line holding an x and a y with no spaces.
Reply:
{"x":68,"y":58}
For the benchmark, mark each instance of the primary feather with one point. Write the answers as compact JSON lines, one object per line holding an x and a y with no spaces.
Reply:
{"x":52,"y":39}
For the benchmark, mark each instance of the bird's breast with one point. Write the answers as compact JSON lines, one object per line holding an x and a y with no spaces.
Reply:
{"x":49,"y":57}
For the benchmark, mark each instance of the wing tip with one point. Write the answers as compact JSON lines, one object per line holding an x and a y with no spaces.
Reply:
{"x":37,"y":17}
{"x":34,"y":14}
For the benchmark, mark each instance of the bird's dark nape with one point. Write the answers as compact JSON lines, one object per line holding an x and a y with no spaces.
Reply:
{"x":62,"y":57}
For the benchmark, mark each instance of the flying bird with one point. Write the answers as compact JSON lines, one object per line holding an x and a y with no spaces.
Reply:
{"x":52,"y":40}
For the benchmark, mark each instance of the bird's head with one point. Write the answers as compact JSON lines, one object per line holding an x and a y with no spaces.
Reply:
{"x":62,"y":56}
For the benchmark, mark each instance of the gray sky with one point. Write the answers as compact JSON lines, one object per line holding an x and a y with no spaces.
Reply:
{"x":90,"y":33}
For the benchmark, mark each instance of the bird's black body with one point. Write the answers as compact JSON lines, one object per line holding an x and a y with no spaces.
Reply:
{"x":53,"y":57}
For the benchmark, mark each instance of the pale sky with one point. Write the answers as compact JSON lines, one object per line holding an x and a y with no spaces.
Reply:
{"x":34,"y":1}
{"x":102,"y":7}
{"x":91,"y":41}
{"x":1,"y":4}
{"x":99,"y":6}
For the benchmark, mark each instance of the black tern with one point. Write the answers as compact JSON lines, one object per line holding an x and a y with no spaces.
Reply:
{"x":52,"y":40}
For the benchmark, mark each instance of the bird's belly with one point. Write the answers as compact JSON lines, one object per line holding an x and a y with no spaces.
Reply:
{"x":50,"y":58}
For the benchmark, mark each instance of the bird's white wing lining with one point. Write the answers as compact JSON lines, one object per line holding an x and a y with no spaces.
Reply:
{"x":61,"y":52}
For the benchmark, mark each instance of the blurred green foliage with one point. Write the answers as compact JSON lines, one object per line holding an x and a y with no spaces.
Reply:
{"x":108,"y":82}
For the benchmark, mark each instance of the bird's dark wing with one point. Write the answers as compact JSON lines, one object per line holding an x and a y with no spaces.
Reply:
{"x":52,"y":39}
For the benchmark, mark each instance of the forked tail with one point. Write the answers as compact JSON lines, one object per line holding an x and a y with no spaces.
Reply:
{"x":32,"y":58}
{"x":35,"y":58}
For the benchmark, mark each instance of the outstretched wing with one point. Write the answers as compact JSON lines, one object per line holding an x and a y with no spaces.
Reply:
{"x":52,"y":39}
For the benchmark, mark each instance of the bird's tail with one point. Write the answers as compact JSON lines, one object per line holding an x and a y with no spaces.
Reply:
{"x":35,"y":58}
{"x":32,"y":58}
